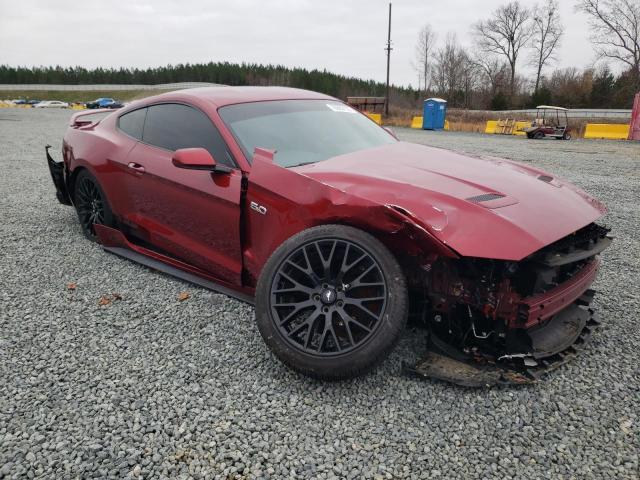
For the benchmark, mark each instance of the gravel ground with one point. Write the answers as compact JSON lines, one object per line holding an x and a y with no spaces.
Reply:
{"x":147,"y":386}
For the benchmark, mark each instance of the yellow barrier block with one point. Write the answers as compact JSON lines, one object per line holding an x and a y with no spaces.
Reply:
{"x":519,"y":128}
{"x":491,"y":126}
{"x":416,"y":122}
{"x":376,"y":117}
{"x":78,"y":107}
{"x":609,"y":131}
{"x":446,"y":124}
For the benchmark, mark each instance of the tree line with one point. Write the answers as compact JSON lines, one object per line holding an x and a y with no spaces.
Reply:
{"x":487,"y":76}
{"x":226,"y":73}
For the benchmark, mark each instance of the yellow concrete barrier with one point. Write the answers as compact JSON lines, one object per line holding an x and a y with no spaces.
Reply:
{"x":611,"y":131}
{"x":520,"y":126}
{"x":416,"y":122}
{"x":376,"y":117}
{"x":517,"y":128}
{"x":78,"y":106}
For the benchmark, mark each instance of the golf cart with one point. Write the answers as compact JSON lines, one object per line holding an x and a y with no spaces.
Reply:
{"x":550,"y":122}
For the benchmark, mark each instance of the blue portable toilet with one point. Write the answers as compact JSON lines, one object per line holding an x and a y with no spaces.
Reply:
{"x":435,"y":111}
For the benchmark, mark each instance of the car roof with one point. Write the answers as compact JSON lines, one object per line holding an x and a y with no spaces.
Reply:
{"x":550,"y":107}
{"x":221,"y":96}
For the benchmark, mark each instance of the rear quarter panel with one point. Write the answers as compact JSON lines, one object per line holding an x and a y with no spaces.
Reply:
{"x":95,"y":147}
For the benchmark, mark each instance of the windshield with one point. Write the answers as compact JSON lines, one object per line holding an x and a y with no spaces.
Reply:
{"x":302,"y":131}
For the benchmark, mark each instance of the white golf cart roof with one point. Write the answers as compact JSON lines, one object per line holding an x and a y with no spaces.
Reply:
{"x":549,"y":107}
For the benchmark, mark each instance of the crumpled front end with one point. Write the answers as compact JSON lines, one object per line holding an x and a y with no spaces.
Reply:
{"x":494,"y":321}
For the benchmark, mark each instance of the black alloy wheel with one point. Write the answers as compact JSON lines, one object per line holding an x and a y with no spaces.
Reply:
{"x":91,"y":204}
{"x":328,"y":297}
{"x":335,"y":302}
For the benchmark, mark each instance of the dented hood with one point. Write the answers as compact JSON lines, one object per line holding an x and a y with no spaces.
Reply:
{"x":478,"y":206}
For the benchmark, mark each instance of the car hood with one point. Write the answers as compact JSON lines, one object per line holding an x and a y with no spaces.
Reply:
{"x":478,"y":206}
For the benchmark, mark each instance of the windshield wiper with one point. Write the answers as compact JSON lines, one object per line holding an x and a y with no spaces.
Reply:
{"x":302,"y":163}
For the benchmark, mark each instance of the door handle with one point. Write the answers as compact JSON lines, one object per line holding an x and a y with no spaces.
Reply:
{"x":136,"y":166}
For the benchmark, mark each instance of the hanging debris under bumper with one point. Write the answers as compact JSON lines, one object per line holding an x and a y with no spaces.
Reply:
{"x":441,"y":363}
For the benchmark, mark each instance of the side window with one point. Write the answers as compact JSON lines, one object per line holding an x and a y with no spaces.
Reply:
{"x":132,"y":123}
{"x":174,"y":126}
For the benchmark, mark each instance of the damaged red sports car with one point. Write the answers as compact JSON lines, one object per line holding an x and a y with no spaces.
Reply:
{"x":339,"y":233}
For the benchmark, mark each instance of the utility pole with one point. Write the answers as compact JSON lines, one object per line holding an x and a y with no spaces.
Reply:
{"x":388,"y":49}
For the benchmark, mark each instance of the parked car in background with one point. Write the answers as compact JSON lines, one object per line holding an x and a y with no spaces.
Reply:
{"x":104,"y":102}
{"x":33,"y":102}
{"x":51,"y":104}
{"x":19,"y":101}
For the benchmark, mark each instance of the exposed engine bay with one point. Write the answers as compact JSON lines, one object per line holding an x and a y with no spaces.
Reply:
{"x":492,"y":321}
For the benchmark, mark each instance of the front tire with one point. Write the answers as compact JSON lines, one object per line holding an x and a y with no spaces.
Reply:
{"x":91,"y":204}
{"x":331,"y":302}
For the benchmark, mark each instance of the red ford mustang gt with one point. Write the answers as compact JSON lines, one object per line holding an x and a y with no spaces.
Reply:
{"x":338,"y":232}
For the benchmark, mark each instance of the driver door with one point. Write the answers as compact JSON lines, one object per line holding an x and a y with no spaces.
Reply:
{"x":191,"y":215}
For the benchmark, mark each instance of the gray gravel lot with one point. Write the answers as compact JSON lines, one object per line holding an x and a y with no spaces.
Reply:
{"x":151,"y":387}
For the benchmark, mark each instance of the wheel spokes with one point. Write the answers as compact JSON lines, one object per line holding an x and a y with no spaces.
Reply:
{"x":360,"y":304}
{"x":298,"y":307}
{"x":90,"y":205}
{"x":359,"y":324}
{"x":313,"y":310}
{"x":297,"y":285}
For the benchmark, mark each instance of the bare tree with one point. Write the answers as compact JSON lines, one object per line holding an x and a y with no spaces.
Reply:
{"x":506,"y":33}
{"x":470,"y":77}
{"x":424,"y":50}
{"x":494,"y":72}
{"x":547,"y":31}
{"x":449,"y":69}
{"x":615,"y":31}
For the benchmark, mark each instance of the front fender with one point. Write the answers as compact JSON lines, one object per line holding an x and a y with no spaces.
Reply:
{"x":281,"y":202}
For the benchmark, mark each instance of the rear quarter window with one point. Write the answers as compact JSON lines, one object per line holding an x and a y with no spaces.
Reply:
{"x":132,"y":123}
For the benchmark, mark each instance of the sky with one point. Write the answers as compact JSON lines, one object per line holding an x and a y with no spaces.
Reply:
{"x":346,"y":37}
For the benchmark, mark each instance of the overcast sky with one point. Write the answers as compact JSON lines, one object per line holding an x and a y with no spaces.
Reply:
{"x":346,"y":37}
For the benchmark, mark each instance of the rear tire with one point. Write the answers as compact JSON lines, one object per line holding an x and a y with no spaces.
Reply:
{"x":331,"y":302}
{"x":91,"y":204}
{"x":538,"y":136}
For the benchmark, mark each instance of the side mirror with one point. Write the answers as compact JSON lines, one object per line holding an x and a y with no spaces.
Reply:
{"x":193,"y":159}
{"x":197,"y":159}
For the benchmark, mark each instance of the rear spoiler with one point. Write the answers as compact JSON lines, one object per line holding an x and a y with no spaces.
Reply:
{"x":77,"y":120}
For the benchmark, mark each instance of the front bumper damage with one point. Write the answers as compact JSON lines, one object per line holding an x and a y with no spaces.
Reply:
{"x":574,"y":328}
{"x":492,"y":323}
